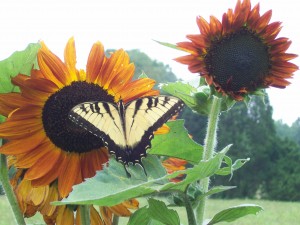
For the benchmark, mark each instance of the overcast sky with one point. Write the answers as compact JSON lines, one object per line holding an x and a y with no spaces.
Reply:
{"x":134,"y":24}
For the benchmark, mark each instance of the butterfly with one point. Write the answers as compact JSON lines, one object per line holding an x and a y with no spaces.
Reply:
{"x":126,"y":129}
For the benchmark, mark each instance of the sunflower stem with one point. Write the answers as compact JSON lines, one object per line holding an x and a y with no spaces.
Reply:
{"x":209,"y":149}
{"x":189,"y":210}
{"x":85,"y":214}
{"x":4,"y":178}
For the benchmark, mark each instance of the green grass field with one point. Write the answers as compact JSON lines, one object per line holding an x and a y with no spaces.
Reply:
{"x":275,"y":212}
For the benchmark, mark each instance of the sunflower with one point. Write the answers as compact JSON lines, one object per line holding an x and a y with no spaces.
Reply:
{"x":41,"y":138}
{"x":241,"y":54}
{"x":174,"y":164}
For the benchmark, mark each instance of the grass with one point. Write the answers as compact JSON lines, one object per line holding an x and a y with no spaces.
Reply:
{"x":275,"y":212}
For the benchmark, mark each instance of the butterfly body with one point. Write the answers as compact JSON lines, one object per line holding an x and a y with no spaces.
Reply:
{"x":126,"y":129}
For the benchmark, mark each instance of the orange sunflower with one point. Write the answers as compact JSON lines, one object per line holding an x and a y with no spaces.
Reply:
{"x":43,"y":141}
{"x":174,"y":164}
{"x":240,"y":54}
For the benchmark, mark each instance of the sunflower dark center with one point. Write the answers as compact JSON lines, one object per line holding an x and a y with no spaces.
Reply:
{"x":59,"y":129}
{"x":239,"y":60}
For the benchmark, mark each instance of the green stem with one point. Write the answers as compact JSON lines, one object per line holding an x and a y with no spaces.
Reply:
{"x":189,"y":210}
{"x":115,"y":220}
{"x":85,"y":214}
{"x":209,"y":148}
{"x":4,"y":178}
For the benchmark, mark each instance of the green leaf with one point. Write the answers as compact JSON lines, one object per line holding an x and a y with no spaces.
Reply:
{"x":177,"y":143}
{"x":234,"y":213}
{"x":19,"y":62}
{"x":182,"y":91}
{"x":156,"y":214}
{"x":217,"y":189}
{"x":170,"y":45}
{"x":141,"y":216}
{"x":143,"y":75}
{"x":239,"y":163}
{"x":159,"y":211}
{"x":111,"y":186}
{"x":225,"y":170}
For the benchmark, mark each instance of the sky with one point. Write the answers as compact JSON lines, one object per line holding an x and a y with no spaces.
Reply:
{"x":135,"y":24}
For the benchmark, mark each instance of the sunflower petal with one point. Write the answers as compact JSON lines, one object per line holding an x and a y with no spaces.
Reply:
{"x":44,"y":165}
{"x":95,"y":62}
{"x":69,"y":174}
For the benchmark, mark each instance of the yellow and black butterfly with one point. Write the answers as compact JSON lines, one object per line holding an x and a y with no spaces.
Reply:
{"x":127,"y":130}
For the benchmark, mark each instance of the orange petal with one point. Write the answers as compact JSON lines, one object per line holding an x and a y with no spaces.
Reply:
{"x":50,"y":177}
{"x":24,"y":145}
{"x":95,"y":217}
{"x":51,"y":66}
{"x":131,"y":204}
{"x":42,"y":85}
{"x":70,"y":60}
{"x":69,"y":174}
{"x":106,"y":215}
{"x":162,"y":130}
{"x":203,"y":26}
{"x":120,"y":210}
{"x":37,"y":195}
{"x":26,"y":112}
{"x":215,"y":26}
{"x":95,"y":62}
{"x":11,"y":101}
{"x":65,"y":216}
{"x":28,"y":159}
{"x":113,"y":66}
{"x":45,"y":164}
{"x":137,"y":88}
{"x":47,"y":209}
{"x":121,"y":79}
{"x":19,"y":129}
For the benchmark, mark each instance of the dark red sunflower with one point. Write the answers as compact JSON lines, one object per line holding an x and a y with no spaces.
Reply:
{"x":41,"y":138}
{"x":241,"y":54}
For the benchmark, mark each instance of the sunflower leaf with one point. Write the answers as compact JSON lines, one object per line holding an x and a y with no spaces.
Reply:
{"x":170,"y":45}
{"x":157,"y":213}
{"x":19,"y":62}
{"x":182,"y":91}
{"x":234,"y":213}
{"x":111,"y":186}
{"x":177,"y":143}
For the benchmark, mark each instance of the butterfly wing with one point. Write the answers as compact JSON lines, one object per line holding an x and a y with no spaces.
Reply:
{"x":103,"y":120}
{"x":144,"y":116}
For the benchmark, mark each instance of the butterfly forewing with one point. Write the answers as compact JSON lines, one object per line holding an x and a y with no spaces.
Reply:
{"x":145,"y":115}
{"x":101,"y":119}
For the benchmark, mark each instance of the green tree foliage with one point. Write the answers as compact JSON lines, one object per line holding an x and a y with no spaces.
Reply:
{"x":290,"y":132}
{"x":252,"y":132}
